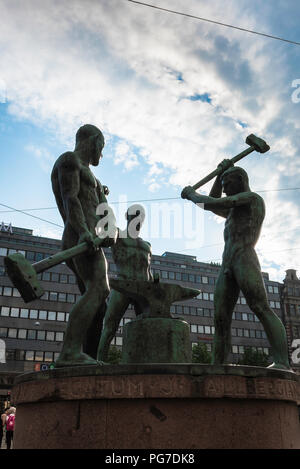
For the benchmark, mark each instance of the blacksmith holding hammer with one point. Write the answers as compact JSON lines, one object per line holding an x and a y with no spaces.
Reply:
{"x":244,"y":211}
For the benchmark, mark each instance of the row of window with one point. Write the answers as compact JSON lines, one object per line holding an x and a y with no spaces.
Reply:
{"x":296,"y":332}
{"x":198,"y":329}
{"x":49,"y":276}
{"x":209,"y":313}
{"x":30,"y":255}
{"x":31,"y":355}
{"x":31,"y":334}
{"x":293,"y":291}
{"x":240,"y":349}
{"x":184,"y":277}
{"x":252,"y":333}
{"x":192,"y":311}
{"x":272,"y":289}
{"x":34,"y":314}
{"x":293,"y":309}
{"x":48,"y":295}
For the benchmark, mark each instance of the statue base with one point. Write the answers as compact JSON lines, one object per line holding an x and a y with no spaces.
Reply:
{"x":158,"y":406}
{"x":156,"y":340}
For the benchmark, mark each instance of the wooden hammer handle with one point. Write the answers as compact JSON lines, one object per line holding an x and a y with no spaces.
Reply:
{"x":218,"y":171}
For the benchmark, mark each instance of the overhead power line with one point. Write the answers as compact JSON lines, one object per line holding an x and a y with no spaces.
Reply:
{"x":214,"y":22}
{"x":29,"y":215}
{"x":132,"y":201}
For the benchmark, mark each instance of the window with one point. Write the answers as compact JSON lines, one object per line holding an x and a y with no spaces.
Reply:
{"x":41,"y":335}
{"x":39,"y":356}
{"x":275,"y":290}
{"x":201,"y":329}
{"x":7,"y":291}
{"x":24,"y":313}
{"x":63,"y":278}
{"x":46,"y":276}
{"x":192,"y":278}
{"x":30,"y":255}
{"x":3,"y":251}
{"x":29,"y":355}
{"x":164,"y":274}
{"x":50,"y":335}
{"x":42,"y":314}
{"x":5,"y":311}
{"x":14,"y":312}
{"x":53,"y":296}
{"x":54,"y":277}
{"x":31,"y":334}
{"x":205,"y":296}
{"x":119,"y":340}
{"x":48,"y":357}
{"x":39,"y":256}
{"x":204,"y":279}
{"x":185,"y":277}
{"x":45,"y":296}
{"x":207,"y":330}
{"x":171,"y":275}
{"x":3,"y":331}
{"x":72,"y":279}
{"x":178,"y":275}
{"x":33,"y":314}
{"x":12,"y":333}
{"x":16,"y":293}
{"x":22,"y":333}
{"x":51,"y":315}
{"x":245,"y":317}
{"x":60,"y":316}
{"x":193,"y":328}
{"x":62,"y":297}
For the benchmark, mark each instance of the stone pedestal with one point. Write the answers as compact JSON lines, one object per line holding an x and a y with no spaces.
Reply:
{"x":156,"y":340}
{"x":157,"y":407}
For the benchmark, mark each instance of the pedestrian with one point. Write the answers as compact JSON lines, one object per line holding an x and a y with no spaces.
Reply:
{"x":10,"y":426}
{"x":2,"y":424}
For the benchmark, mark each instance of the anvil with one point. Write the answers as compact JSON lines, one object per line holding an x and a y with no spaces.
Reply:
{"x":153,"y":298}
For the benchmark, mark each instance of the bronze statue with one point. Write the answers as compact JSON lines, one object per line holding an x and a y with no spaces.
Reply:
{"x":78,"y":194}
{"x":132,"y":256}
{"x":244,"y":211}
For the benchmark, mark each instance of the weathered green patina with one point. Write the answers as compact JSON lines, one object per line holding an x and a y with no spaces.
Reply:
{"x":78,"y":194}
{"x":244,"y":211}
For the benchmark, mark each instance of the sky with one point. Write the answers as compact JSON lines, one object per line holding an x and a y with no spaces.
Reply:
{"x":173,"y":97}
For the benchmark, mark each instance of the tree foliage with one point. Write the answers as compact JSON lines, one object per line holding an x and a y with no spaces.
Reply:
{"x":200,"y":354}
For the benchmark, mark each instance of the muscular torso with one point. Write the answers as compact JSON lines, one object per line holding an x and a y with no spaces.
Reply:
{"x":132,"y":258}
{"x":242,"y":228}
{"x":67,"y":169}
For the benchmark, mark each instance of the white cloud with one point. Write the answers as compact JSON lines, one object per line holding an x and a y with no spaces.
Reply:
{"x":131,"y":71}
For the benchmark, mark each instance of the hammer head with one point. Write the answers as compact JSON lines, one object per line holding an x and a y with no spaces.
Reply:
{"x":23,"y":277}
{"x":258,"y":143}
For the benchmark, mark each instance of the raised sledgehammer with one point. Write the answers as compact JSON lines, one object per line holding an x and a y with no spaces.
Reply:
{"x":256,"y":144}
{"x":24,"y":275}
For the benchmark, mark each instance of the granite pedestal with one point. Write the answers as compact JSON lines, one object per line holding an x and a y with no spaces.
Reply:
{"x":163,"y":406}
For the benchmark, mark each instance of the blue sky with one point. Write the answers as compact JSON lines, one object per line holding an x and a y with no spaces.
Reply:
{"x":173,"y":97}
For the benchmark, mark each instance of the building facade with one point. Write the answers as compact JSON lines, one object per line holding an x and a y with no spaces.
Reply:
{"x":31,"y":334}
